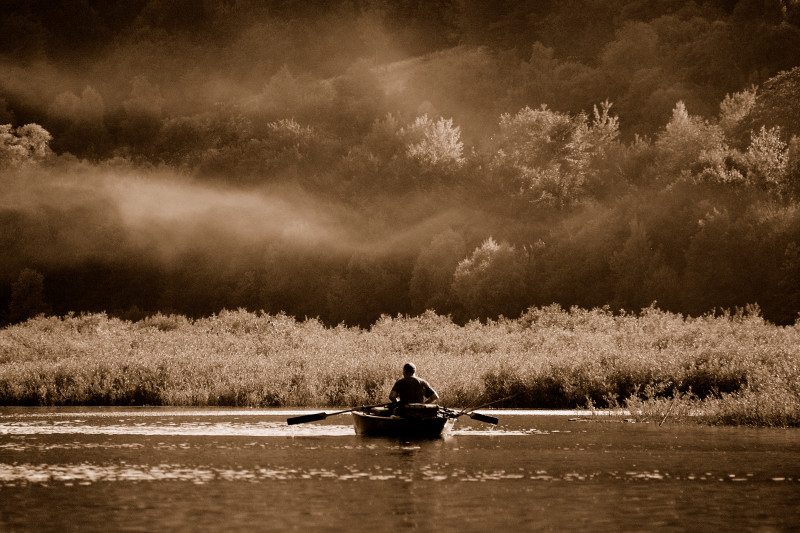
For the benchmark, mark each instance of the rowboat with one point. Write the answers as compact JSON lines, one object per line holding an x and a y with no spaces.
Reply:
{"x":412,"y":421}
{"x":405,"y":420}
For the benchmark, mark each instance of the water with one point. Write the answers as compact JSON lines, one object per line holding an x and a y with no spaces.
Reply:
{"x":246,"y":470}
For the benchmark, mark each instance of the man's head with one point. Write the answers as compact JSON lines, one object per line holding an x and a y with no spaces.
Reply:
{"x":409,"y":369}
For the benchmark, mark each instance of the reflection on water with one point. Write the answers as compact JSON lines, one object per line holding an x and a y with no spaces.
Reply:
{"x":84,"y":474}
{"x":208,"y":470}
{"x":176,"y":423}
{"x":264,"y":429}
{"x":198,"y":429}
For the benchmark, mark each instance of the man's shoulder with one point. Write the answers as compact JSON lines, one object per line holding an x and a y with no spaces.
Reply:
{"x":409,"y":381}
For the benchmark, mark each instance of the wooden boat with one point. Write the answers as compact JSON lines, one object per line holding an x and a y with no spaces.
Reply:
{"x":412,"y":421}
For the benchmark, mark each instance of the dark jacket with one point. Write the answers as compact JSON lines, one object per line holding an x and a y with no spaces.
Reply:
{"x":413,"y":389}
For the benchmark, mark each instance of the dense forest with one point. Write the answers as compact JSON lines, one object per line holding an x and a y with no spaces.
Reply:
{"x":350,"y":159}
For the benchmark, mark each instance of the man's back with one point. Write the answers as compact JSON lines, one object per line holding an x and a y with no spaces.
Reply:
{"x":412,"y":389}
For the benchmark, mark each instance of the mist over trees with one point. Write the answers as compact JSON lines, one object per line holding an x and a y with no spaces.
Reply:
{"x":361,"y":158}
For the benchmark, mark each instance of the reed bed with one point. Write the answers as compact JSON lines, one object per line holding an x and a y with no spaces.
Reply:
{"x":729,"y":368}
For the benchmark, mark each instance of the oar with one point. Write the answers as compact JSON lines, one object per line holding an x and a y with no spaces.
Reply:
{"x":475,"y":416}
{"x":479,"y":417}
{"x":483,"y":418}
{"x":322,"y":416}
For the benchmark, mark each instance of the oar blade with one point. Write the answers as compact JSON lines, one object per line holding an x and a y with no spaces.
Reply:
{"x":306,"y":418}
{"x":484,"y":418}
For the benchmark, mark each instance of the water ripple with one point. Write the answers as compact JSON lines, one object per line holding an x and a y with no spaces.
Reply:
{"x":207,"y":428}
{"x":257,"y":429}
{"x":87,"y":473}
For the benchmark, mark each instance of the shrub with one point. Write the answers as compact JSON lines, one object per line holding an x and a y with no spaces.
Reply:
{"x":729,"y":368}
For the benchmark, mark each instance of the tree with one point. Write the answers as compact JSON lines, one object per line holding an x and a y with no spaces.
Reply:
{"x":83,"y":131}
{"x":530,"y":152}
{"x":719,"y":162}
{"x":683,"y":142}
{"x":287,"y":149}
{"x":287,"y":94}
{"x":290,"y":145}
{"x":792,"y":183}
{"x":789,"y":285}
{"x":435,"y":144}
{"x":640,"y":274}
{"x":725,"y":263}
{"x":545,"y":157}
{"x":23,"y":144}
{"x":432,"y":278}
{"x":373,"y":284}
{"x":143,"y":112}
{"x":358,"y":99}
{"x":392,"y":158}
{"x":377,"y":164}
{"x":635,"y":48}
{"x":491,"y":281}
{"x":538,"y":82}
{"x":766,"y":159}
{"x":296,"y":278}
{"x":775,"y":105}
{"x":734,"y":109}
{"x":27,"y":296}
{"x":566,"y":26}
{"x":469,"y":84}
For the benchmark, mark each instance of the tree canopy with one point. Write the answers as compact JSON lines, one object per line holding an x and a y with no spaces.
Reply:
{"x":347,"y":160}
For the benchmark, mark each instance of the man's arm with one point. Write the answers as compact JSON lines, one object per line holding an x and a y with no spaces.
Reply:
{"x":431,"y":396}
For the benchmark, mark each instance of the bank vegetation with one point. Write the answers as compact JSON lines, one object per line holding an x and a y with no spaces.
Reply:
{"x":719,"y":368}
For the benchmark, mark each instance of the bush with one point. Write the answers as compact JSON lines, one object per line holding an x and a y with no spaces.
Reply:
{"x":725,"y":369}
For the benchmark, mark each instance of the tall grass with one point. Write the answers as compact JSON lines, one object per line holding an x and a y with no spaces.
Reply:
{"x":724,"y":369}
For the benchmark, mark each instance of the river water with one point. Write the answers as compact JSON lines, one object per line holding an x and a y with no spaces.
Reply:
{"x":144,"y":469}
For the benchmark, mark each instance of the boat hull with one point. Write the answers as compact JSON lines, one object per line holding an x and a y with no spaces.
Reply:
{"x":401,"y":427}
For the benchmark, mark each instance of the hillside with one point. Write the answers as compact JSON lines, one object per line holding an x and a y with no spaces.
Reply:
{"x":349,"y":160}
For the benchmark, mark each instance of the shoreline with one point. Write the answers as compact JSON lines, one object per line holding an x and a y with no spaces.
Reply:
{"x":166,"y":410}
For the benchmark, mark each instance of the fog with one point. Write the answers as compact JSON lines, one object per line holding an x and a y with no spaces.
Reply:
{"x":168,"y":214}
{"x":351,"y":159}
{"x":171,"y":217}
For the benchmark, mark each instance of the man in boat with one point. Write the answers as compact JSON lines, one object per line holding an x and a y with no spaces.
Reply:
{"x":412,"y":389}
